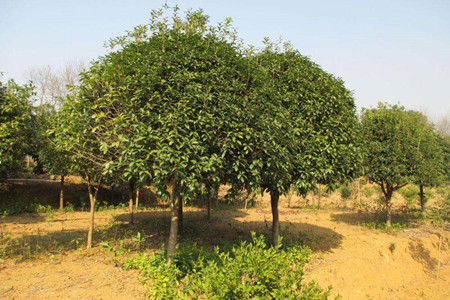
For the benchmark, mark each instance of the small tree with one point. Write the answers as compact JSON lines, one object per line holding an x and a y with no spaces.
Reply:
{"x":428,"y":171}
{"x":74,"y":137}
{"x":391,"y":144}
{"x":55,"y":160}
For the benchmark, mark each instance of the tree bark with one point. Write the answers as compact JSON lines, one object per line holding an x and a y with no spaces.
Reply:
{"x":131,"y":202}
{"x":422,"y":197}
{"x":274,"y":197}
{"x":173,"y":234}
{"x":61,"y":193}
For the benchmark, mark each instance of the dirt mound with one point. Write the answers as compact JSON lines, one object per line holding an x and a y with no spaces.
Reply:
{"x":374,"y":265}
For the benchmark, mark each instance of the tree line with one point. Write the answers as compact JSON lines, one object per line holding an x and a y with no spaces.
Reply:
{"x":183,"y":106}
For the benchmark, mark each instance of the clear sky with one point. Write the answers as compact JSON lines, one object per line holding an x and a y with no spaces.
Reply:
{"x":394,"y":51}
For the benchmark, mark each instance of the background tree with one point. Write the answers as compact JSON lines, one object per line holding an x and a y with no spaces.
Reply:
{"x":391,"y":148}
{"x":16,"y":126}
{"x":51,"y":85}
{"x":428,"y":171}
{"x":73,"y":136}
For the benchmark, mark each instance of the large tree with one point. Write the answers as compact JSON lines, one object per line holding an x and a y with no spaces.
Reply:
{"x":159,"y":105}
{"x":303,"y":126}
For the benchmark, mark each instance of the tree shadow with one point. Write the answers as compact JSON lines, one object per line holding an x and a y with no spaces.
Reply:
{"x":24,"y":218}
{"x":151,"y":228}
{"x":423,"y":256}
{"x":407,"y":219}
{"x":25,"y":193}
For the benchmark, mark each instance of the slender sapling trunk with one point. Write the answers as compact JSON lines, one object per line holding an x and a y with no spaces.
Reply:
{"x":137,"y":198}
{"x":61,"y":193}
{"x":422,"y":197}
{"x":131,"y":202}
{"x":208,"y":216}
{"x":91,"y":215}
{"x":216,"y":196}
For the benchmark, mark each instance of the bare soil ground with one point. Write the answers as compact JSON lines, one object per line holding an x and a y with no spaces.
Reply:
{"x":359,"y":263}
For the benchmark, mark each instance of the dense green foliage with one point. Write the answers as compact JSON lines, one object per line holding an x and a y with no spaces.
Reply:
{"x":400,"y":147}
{"x":444,"y":143}
{"x":16,"y":125}
{"x":241,"y":273}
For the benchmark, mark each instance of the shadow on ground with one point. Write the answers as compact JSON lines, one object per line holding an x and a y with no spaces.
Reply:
{"x":226,"y":227}
{"x":409,"y":218}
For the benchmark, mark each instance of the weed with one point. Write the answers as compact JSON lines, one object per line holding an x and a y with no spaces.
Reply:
{"x":392,"y":248}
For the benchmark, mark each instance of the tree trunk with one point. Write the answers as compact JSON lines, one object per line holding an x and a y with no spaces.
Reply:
{"x":131,"y":202}
{"x":216,"y":196}
{"x":208,"y":217}
{"x":172,"y":243}
{"x":359,"y":190}
{"x":388,"y":197}
{"x":422,"y":197}
{"x":246,"y":201}
{"x":61,"y":193}
{"x":92,"y":199}
{"x":137,"y":198}
{"x":312,"y":198}
{"x":289,"y":196}
{"x":318,"y":197}
{"x":274,"y":197}
{"x":180,"y":215}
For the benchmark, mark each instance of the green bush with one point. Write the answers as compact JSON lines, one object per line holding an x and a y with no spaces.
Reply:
{"x":18,"y":208}
{"x":441,"y":214}
{"x":410,"y":193}
{"x":368,"y":191}
{"x":248,"y":271}
{"x":345,"y":192}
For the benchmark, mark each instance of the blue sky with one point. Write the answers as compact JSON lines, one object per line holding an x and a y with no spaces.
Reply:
{"x":394,"y":51}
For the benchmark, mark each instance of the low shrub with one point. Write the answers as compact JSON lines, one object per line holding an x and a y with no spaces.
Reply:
{"x":248,"y":271}
{"x":410,"y":193}
{"x":345,"y":192}
{"x":440,"y":214}
{"x":368,"y":191}
{"x":18,"y":208}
